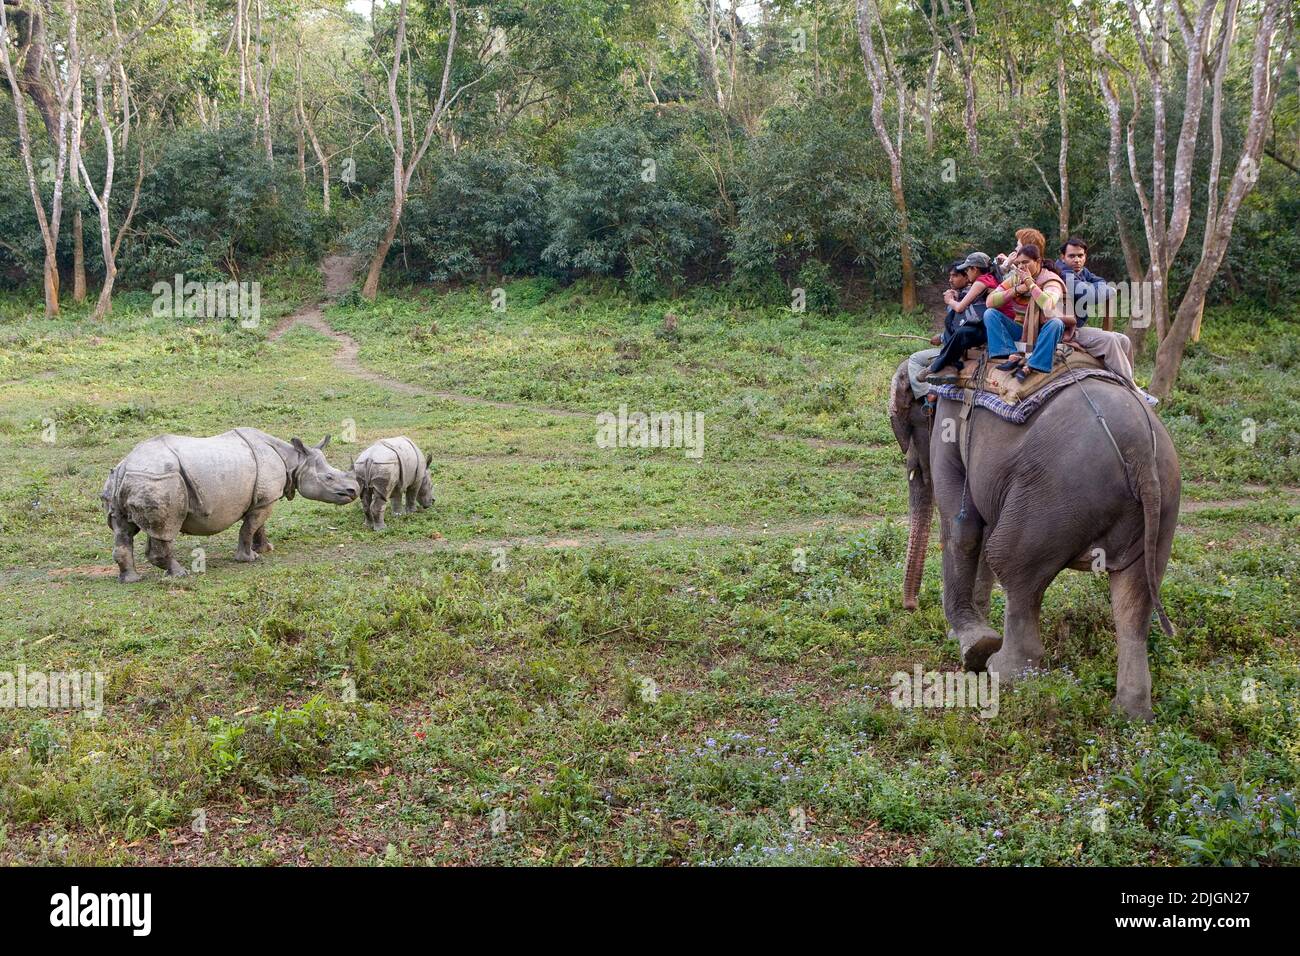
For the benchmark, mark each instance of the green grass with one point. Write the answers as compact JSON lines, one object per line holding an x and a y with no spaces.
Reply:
{"x":641,"y":676}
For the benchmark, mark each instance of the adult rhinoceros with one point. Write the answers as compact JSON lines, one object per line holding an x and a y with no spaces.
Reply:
{"x":202,"y":486}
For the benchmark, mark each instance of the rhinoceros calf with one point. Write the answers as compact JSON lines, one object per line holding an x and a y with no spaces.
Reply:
{"x":202,"y":486}
{"x":392,"y":468}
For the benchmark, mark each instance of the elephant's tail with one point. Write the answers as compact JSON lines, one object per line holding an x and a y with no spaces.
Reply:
{"x":1149,"y":495}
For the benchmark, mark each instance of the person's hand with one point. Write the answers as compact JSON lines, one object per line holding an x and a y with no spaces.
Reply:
{"x":949,"y":296}
{"x":936,"y":339}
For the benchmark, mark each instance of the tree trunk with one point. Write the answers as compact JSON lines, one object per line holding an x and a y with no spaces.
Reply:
{"x":1063,"y":160}
{"x":876,"y":77}
{"x":370,"y":290}
{"x":1264,"y":88}
{"x":78,"y":258}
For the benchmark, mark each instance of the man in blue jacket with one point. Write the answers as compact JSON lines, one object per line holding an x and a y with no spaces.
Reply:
{"x":1086,"y":294}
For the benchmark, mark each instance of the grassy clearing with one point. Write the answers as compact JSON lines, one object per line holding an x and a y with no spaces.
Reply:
{"x":640,"y":676}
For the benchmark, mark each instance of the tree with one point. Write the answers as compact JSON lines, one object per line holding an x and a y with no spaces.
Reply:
{"x":407,"y":157}
{"x":868,"y":21}
{"x":40,"y":71}
{"x":1166,"y":209}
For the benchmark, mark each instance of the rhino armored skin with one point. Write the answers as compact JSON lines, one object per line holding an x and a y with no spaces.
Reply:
{"x":201,"y":486}
{"x":392,"y":468}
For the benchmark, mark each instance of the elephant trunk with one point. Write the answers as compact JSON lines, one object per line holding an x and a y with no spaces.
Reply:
{"x":920,"y":512}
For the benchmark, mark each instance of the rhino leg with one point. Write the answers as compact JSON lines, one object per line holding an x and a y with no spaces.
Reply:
{"x":374,"y":498}
{"x":160,"y":554}
{"x":411,"y":504}
{"x":375,"y":510}
{"x":250,"y":532}
{"x":261,"y":543}
{"x":124,"y":533}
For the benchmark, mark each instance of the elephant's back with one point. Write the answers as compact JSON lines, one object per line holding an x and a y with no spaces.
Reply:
{"x":1062,"y":457}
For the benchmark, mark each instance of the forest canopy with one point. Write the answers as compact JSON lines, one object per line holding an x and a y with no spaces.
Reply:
{"x":852,"y":148}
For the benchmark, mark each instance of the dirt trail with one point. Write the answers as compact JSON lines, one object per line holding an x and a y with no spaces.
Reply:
{"x":339,"y":273}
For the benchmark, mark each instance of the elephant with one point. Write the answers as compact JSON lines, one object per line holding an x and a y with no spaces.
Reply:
{"x":1021,"y":503}
{"x":174,"y":483}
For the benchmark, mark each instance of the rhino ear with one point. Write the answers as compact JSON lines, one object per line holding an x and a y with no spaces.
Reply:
{"x":323,"y":442}
{"x":298,"y":446}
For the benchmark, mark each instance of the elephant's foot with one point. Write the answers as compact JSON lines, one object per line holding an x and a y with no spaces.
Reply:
{"x":1010,"y":663}
{"x":1134,"y":707}
{"x":978,"y":642}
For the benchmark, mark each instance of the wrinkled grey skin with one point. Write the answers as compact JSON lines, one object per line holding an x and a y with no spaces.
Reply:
{"x":392,"y":468}
{"x":1041,"y":498}
{"x":174,"y":483}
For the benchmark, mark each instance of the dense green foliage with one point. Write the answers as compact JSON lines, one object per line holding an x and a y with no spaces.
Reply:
{"x":540,"y":166}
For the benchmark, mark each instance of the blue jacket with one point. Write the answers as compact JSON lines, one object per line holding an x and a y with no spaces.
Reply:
{"x":1089,"y":290}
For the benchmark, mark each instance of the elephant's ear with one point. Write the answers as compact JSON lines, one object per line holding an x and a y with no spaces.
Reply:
{"x":900,"y":407}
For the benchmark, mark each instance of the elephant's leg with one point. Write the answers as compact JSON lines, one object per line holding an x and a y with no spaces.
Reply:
{"x":1022,"y":647}
{"x":160,"y":554}
{"x":965,"y":593}
{"x":982,"y":592}
{"x":245,"y":551}
{"x":1131,"y":604}
{"x":124,"y":533}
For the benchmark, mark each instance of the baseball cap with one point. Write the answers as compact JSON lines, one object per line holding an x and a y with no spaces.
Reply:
{"x":978,"y":260}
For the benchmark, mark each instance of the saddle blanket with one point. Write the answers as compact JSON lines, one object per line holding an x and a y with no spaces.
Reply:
{"x":1018,"y":412}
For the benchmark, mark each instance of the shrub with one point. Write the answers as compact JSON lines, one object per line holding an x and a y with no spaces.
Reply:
{"x":480,"y":213}
{"x":245,"y":212}
{"x":812,"y":187}
{"x":820,"y":292}
{"x":621,"y":206}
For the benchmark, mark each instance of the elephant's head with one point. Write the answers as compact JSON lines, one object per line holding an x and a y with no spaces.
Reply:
{"x":317,"y":479}
{"x":911,"y":422}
